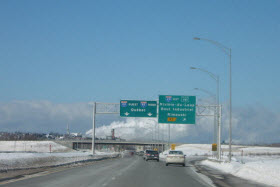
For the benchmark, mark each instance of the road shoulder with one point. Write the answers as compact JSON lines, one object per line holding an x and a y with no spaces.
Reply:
{"x":21,"y":174}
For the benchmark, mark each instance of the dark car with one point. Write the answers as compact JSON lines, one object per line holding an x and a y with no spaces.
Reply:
{"x":151,"y":155}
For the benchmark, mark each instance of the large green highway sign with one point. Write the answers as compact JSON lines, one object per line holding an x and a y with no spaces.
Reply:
{"x":132,"y":108}
{"x":177,"y":109}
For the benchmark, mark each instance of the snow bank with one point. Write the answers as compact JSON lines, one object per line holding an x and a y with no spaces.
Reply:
{"x":31,"y":146}
{"x":33,"y":154}
{"x":259,"y":164}
{"x":263,"y":169}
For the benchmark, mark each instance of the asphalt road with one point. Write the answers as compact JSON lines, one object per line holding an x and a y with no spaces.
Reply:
{"x":123,"y":172}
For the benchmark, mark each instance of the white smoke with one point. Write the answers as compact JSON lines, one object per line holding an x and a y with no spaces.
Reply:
{"x":147,"y":129}
{"x":132,"y":128}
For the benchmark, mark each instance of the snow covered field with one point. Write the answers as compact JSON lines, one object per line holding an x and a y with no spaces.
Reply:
{"x":192,"y":150}
{"x":260,"y":164}
{"x":31,"y":146}
{"x":12,"y":155}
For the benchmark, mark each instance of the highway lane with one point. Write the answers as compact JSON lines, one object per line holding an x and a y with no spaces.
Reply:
{"x":123,"y":172}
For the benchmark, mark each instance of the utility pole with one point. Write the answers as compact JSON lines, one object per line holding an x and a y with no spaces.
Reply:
{"x":68,"y":131}
{"x":216,"y":109}
{"x":93,"y":128}
{"x":230,"y":106}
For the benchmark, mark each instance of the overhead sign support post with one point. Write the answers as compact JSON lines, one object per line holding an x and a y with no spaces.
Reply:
{"x":203,"y":110}
{"x":93,"y":127}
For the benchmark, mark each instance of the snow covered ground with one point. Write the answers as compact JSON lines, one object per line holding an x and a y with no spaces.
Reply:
{"x":262,"y":169}
{"x":32,"y":146}
{"x":33,"y":154}
{"x":260,"y":164}
{"x":191,"y":150}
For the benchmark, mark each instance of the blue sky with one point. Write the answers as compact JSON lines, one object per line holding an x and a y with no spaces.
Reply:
{"x":55,"y":56}
{"x":70,"y":51}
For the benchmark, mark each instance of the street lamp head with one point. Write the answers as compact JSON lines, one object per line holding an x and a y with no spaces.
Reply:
{"x":196,"y":38}
{"x":193,"y":68}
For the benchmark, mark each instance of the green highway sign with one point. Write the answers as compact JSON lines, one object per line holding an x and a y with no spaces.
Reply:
{"x":133,"y":108}
{"x":177,"y":109}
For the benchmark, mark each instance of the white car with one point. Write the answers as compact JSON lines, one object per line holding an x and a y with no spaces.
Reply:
{"x":175,"y":157}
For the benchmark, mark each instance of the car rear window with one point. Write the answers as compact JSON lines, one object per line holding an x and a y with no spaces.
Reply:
{"x":175,"y":152}
{"x":152,"y":152}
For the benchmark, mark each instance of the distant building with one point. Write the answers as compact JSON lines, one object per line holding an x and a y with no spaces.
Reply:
{"x":76,"y":135}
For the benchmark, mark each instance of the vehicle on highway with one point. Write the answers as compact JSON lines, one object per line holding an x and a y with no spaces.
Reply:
{"x":127,"y":153}
{"x":141,"y":153}
{"x":175,"y":157}
{"x":151,"y":155}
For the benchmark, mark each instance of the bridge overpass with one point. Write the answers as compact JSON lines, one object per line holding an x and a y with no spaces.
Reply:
{"x":112,"y":144}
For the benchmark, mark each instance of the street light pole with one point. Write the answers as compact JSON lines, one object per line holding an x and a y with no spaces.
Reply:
{"x":230,"y":105}
{"x":227,"y":51}
{"x":209,"y":93}
{"x":217,"y":134}
{"x":216,"y":98}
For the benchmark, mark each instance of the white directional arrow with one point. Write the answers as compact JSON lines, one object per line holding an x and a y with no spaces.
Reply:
{"x":126,"y":113}
{"x":149,"y":114}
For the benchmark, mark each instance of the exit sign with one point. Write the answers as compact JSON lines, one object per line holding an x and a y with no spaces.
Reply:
{"x":136,"y":108}
{"x":177,"y":109}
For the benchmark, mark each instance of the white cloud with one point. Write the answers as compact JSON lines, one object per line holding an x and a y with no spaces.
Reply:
{"x":41,"y":116}
{"x":253,"y":124}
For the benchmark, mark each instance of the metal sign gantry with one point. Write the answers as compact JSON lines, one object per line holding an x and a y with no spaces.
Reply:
{"x":114,"y":108}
